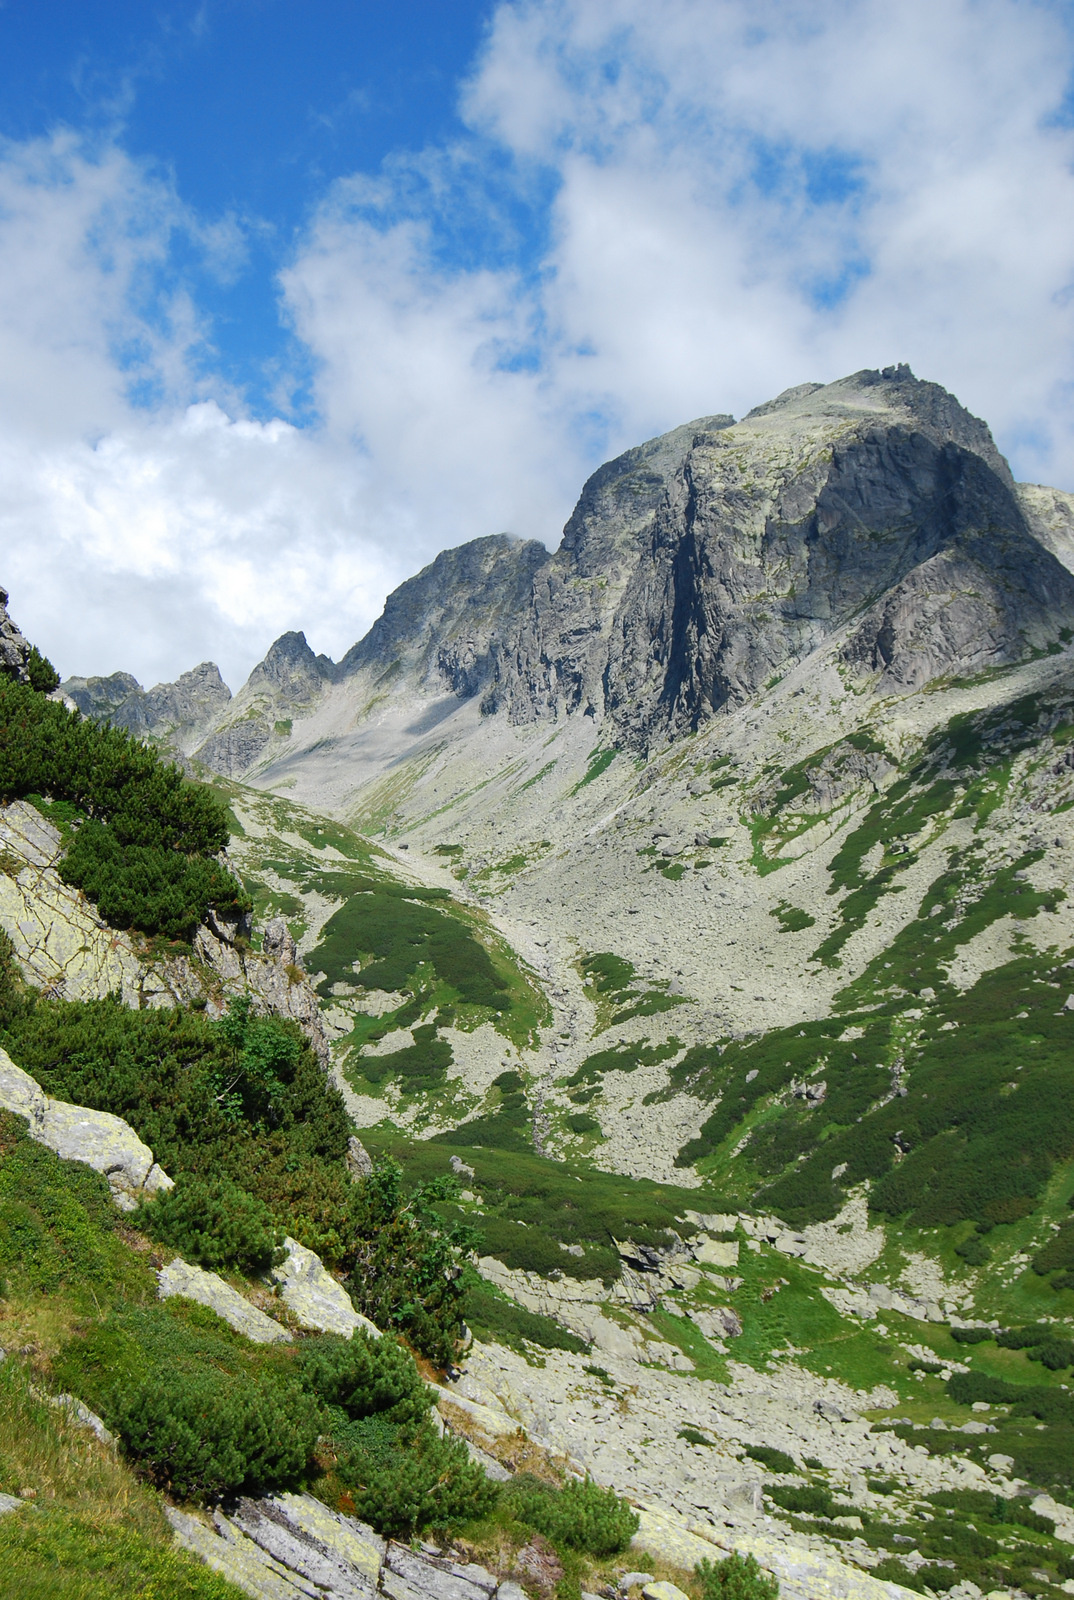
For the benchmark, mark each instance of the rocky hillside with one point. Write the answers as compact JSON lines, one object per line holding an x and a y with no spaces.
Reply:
{"x":698,"y":896}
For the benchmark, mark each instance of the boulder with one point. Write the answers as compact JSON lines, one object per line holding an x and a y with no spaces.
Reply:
{"x":180,"y":1278}
{"x":314,"y":1297}
{"x":717,"y":1253}
{"x":75,"y":1133}
{"x":359,"y":1161}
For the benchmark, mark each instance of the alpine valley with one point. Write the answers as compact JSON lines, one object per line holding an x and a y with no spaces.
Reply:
{"x":639,"y":981}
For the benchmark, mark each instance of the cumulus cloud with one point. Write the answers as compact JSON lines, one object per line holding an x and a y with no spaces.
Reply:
{"x":654,"y":211}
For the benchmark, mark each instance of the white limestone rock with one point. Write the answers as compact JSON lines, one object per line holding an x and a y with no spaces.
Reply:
{"x":75,"y":1133}
{"x":180,"y":1278}
{"x":314,"y":1297}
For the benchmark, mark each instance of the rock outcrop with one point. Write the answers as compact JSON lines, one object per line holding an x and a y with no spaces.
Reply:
{"x":695,"y":568}
{"x":14,"y":647}
{"x":290,"y":1545}
{"x":66,"y":950}
{"x":874,"y":514}
{"x":314,"y":1298}
{"x":75,"y":1133}
{"x":168,"y":713}
{"x":209,"y":1289}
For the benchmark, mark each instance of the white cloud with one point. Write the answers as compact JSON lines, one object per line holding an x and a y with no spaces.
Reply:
{"x":712,"y":171}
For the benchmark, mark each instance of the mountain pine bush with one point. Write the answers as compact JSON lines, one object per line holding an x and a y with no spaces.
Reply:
{"x":214,"y":1223}
{"x":200,"y":1410}
{"x":406,"y":1479}
{"x":144,"y":847}
{"x":581,"y":1515}
{"x":736,"y":1577}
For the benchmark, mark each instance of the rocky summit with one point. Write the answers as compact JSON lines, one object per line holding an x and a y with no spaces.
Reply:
{"x":674,"y":931}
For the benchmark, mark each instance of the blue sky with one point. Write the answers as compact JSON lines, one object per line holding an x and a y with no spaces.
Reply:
{"x":294,"y":296}
{"x":253,"y":107}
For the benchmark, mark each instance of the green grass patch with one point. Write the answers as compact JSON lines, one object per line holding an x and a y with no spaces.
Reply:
{"x":599,"y":762}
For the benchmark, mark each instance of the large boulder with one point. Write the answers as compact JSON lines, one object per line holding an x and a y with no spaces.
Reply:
{"x":313,"y":1296}
{"x":75,"y":1133}
{"x":180,"y":1278}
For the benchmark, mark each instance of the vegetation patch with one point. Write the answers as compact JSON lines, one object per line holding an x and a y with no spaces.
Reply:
{"x":616,"y":993}
{"x":599,"y":762}
{"x":141,"y":839}
{"x":556,"y":1202}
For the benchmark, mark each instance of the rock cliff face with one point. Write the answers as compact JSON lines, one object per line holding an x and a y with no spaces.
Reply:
{"x":14,"y":648}
{"x":168,"y":712}
{"x":696,"y":568}
{"x":874,"y":512}
{"x":441,"y":628}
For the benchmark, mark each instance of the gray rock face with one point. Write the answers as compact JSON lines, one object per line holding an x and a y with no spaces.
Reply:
{"x":14,"y":648}
{"x":440,"y":627}
{"x":874,"y":513}
{"x":696,"y":568}
{"x":168,"y":712}
{"x":290,"y":679}
{"x":287,"y":1545}
{"x":313,"y":1296}
{"x":180,"y":1278}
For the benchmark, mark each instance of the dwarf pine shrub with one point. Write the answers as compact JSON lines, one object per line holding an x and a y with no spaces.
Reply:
{"x":146,"y":838}
{"x":403,"y":1480}
{"x":214,"y":1223}
{"x":581,"y":1515}
{"x":736,"y":1577}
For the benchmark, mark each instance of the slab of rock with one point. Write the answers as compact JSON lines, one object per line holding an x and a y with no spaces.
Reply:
{"x":717,"y":1253}
{"x":346,"y":1537}
{"x":670,"y":1539}
{"x":268,"y":1527}
{"x":180,"y":1278}
{"x":10,"y":1502}
{"x":407,"y":1574}
{"x":238,"y":1559}
{"x":497,"y":1424}
{"x":314,"y":1297}
{"x":663,"y":1591}
{"x":100,"y":1140}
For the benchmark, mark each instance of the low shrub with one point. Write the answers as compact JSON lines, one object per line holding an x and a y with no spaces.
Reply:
{"x":973,"y":1251}
{"x":775,"y":1460}
{"x":404,"y":1480}
{"x":581,"y":1515}
{"x":989,"y":1507}
{"x":363,"y":1377}
{"x":58,"y":1222}
{"x":405,"y":1267}
{"x":402,"y":929}
{"x":200,"y":1411}
{"x":736,"y":1577}
{"x":146,"y":842}
{"x":1058,"y":1253}
{"x":967,"y":1387}
{"x":808,"y":1501}
{"x":156,"y":890}
{"x":215,"y":1223}
{"x":201,"y":1436}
